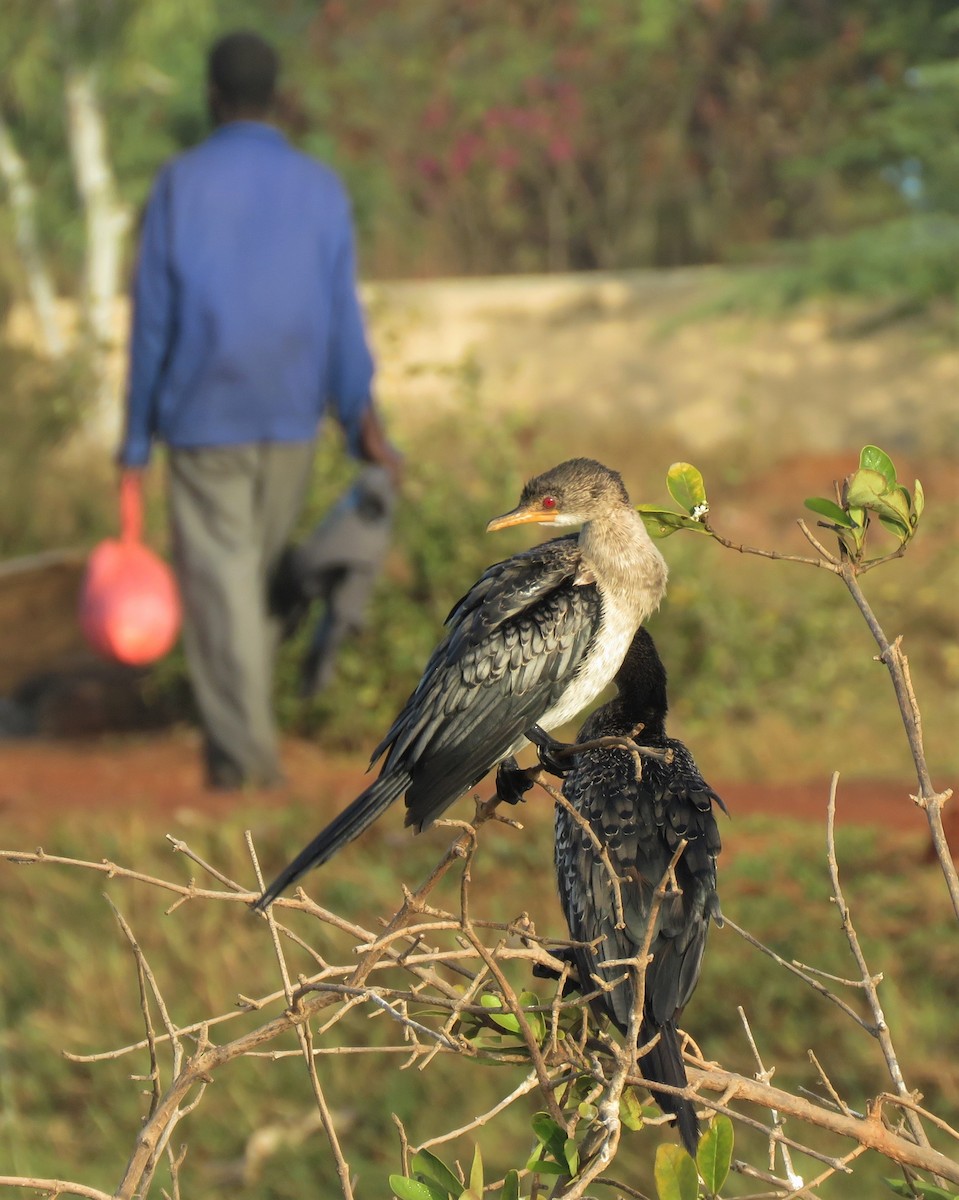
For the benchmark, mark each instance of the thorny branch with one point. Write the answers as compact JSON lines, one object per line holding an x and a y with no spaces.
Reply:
{"x":869,"y":981}
{"x":412,"y":943}
{"x":892,"y":657}
{"x":600,"y":1151}
{"x":305,"y":1038}
{"x":927,"y":798}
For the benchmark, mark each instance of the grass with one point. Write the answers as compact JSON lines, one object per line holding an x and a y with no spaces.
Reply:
{"x":74,"y":987}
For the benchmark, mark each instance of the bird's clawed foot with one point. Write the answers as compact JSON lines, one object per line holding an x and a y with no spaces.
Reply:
{"x":553,"y":755}
{"x":512,"y":781}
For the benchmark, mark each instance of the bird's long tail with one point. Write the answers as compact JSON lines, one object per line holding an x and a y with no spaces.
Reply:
{"x":348,"y":825}
{"x":664,"y":1064}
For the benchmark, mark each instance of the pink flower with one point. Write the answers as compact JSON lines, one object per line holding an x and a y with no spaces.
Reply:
{"x":429,"y":167}
{"x":465,"y":153}
{"x":560,"y":148}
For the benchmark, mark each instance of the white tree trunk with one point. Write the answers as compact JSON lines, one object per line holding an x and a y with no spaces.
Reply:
{"x":23,"y":204}
{"x":107,"y":222}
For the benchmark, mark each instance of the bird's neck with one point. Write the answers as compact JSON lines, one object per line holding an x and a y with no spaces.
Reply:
{"x":625,"y":560}
{"x":630,"y":711}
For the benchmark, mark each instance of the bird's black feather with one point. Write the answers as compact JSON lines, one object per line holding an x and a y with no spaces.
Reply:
{"x":514,"y":642}
{"x":640,"y":820}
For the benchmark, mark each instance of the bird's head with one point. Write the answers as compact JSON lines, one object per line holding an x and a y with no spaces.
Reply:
{"x":573,"y":493}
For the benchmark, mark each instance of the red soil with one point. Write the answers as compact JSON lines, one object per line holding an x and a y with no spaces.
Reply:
{"x":157,"y":776}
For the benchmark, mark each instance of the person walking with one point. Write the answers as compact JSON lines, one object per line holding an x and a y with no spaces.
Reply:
{"x":247,"y":328}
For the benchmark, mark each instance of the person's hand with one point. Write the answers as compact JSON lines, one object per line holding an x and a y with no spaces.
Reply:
{"x":131,"y":502}
{"x":392,"y":462}
{"x":376,"y":447}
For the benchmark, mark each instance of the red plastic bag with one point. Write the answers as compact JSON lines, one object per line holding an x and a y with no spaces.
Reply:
{"x":129,"y":603}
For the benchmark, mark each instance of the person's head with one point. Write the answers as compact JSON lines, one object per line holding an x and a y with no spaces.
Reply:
{"x":241,"y":77}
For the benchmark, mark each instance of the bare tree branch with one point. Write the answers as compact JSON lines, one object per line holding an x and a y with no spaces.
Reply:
{"x":53,"y":1187}
{"x":881,"y":1029}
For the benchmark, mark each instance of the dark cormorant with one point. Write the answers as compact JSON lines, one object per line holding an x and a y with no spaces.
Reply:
{"x":640,"y":821}
{"x":535,"y":640}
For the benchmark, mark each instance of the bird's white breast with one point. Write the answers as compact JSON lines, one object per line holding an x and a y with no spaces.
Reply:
{"x":630,"y":574}
{"x":617,"y":628}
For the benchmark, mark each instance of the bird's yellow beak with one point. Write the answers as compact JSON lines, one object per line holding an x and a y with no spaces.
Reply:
{"x":522,"y":516}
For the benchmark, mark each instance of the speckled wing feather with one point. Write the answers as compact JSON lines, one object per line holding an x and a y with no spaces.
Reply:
{"x":640,"y":822}
{"x":514,"y":642}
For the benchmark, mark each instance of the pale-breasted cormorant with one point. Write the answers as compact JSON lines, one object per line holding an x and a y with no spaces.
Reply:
{"x":535,"y":640}
{"x":640,"y":818}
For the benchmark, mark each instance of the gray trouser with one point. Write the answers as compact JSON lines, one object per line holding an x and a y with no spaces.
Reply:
{"x":232,"y":509}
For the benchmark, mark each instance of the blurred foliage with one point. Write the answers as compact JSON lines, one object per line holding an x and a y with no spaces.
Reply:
{"x":48,"y":496}
{"x":510,"y":137}
{"x":474,"y":469}
{"x":60,"y":1119}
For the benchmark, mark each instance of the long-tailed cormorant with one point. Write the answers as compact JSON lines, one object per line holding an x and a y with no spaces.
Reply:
{"x":535,"y":640}
{"x":640,"y":818}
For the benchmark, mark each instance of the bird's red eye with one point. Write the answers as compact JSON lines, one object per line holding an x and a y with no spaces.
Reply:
{"x":549,"y":502}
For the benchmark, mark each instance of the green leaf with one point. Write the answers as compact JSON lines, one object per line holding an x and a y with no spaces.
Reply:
{"x":918,"y":1188}
{"x":571,"y":1155}
{"x":898,"y":500}
{"x":919,"y":499}
{"x":543,"y":1166}
{"x":504,"y":1019}
{"x":865,"y":488}
{"x":535,"y":1020}
{"x":895,"y":527}
{"x":828,"y":508}
{"x":716,"y":1153}
{"x":587,"y":1111}
{"x":685,"y":485}
{"x":413,"y":1189}
{"x":871,"y":490}
{"x":661,"y":522}
{"x":510,"y":1186}
{"x":630,"y":1110}
{"x":476,"y":1172}
{"x":856,"y":536}
{"x":436,"y":1171}
{"x":675,"y":1174}
{"x":549,"y":1134}
{"x":873,"y":459}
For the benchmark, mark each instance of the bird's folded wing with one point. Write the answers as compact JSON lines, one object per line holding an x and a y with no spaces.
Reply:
{"x":513,"y":646}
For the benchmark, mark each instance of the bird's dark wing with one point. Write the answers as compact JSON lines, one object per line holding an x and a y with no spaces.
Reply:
{"x":640,"y":822}
{"x":514,"y":642}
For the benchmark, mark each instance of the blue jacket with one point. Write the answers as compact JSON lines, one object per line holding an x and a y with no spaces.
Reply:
{"x":246,"y":321}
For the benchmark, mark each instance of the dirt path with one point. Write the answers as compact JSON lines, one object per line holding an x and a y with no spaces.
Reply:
{"x":158,"y":777}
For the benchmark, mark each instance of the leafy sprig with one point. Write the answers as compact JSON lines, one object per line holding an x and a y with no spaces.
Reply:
{"x":873,"y":489}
